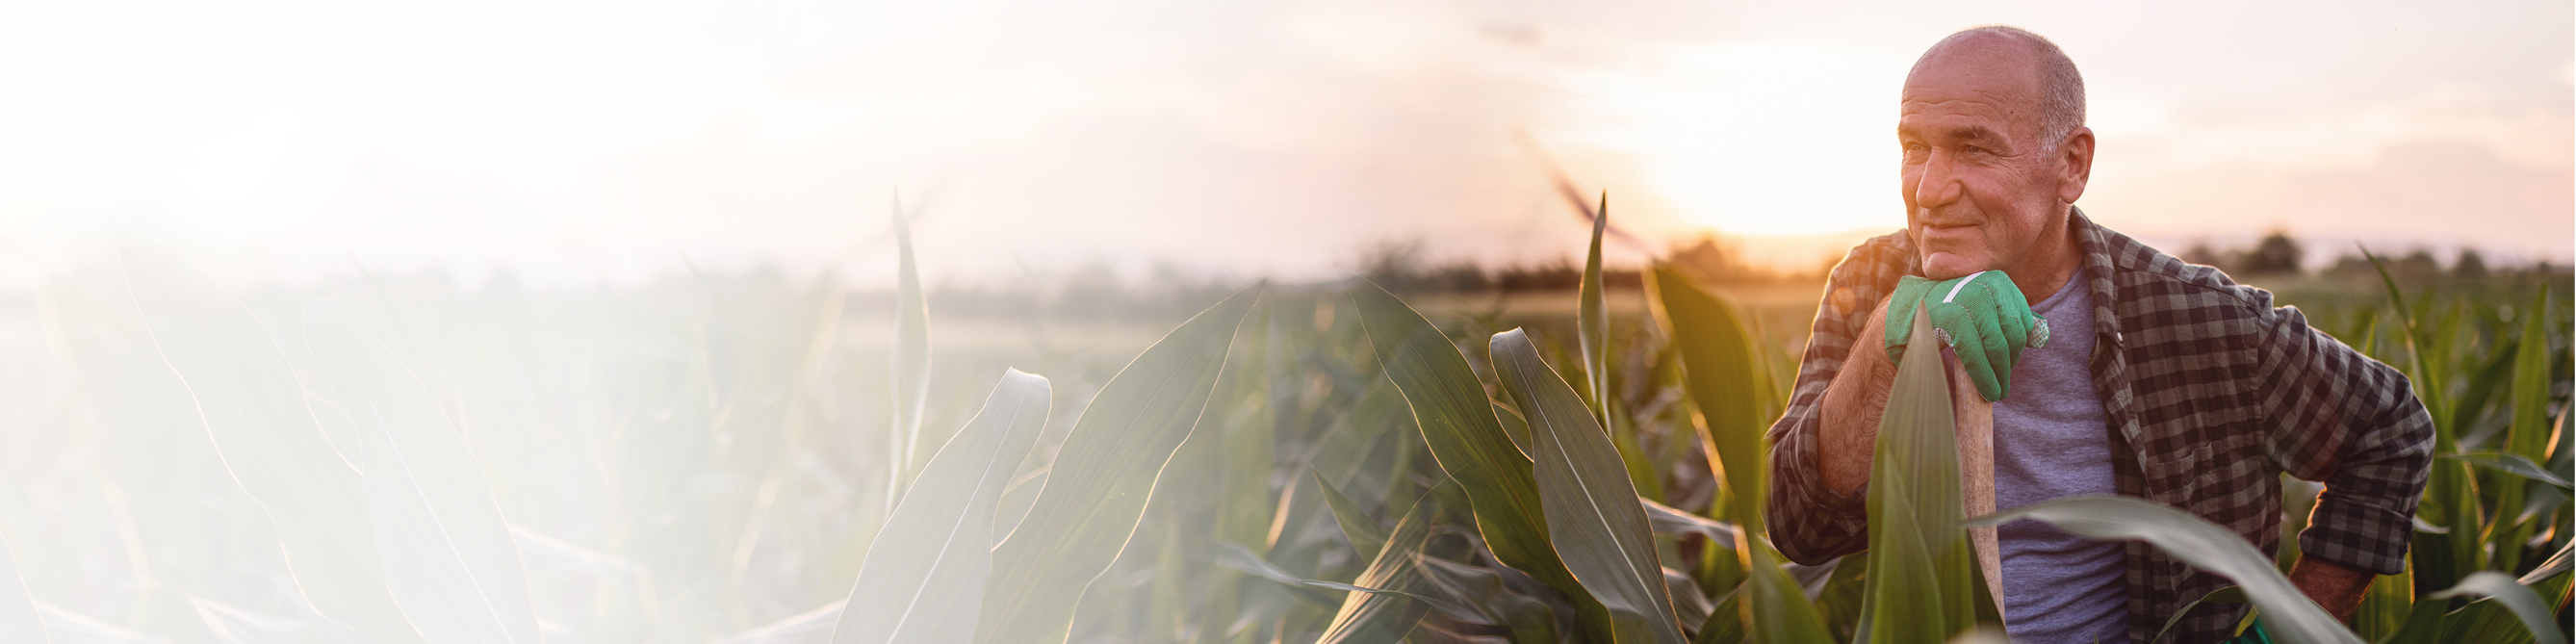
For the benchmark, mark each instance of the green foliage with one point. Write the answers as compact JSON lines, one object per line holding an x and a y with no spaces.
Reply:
{"x":722,"y":458}
{"x":925,"y":574}
{"x":1102,"y":478}
{"x":1923,"y":584}
{"x":1593,"y":516}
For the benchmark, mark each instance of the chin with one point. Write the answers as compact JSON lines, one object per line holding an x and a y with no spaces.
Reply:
{"x":1942,"y":265}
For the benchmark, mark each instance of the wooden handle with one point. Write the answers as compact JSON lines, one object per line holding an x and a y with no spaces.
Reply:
{"x":1976,"y":420}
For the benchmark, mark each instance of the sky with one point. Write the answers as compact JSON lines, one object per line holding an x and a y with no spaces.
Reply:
{"x":577,"y":142}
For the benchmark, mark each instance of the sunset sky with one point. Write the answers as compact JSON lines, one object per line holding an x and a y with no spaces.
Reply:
{"x":576,"y":141}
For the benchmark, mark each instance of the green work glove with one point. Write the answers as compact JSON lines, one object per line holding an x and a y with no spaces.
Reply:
{"x":1982,"y":317}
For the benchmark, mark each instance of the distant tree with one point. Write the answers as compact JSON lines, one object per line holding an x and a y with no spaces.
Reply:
{"x":2276,"y":254}
{"x":2470,"y":266}
{"x":1712,"y":260}
{"x":1395,"y":264}
{"x":2416,"y":266}
{"x":2200,"y":253}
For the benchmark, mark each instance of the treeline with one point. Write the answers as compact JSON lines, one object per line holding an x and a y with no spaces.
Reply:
{"x":2277,"y":255}
{"x":1404,"y":267}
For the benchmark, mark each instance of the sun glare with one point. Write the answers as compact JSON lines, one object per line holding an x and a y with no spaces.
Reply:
{"x":1760,"y":139}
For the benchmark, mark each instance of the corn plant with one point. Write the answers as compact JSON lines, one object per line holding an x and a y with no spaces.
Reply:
{"x":736,"y":459}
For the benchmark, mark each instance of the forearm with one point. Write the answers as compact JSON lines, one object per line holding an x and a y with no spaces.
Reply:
{"x":1847,"y":434}
{"x":2333,"y":586}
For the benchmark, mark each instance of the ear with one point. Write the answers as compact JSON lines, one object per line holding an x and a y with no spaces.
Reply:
{"x":2075,"y":164}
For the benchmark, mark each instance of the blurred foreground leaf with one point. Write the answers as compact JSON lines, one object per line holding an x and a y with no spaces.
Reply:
{"x":1102,"y":476}
{"x":925,"y":574}
{"x":18,"y":619}
{"x":255,"y":411}
{"x":449,"y":559}
{"x":2288,"y":615}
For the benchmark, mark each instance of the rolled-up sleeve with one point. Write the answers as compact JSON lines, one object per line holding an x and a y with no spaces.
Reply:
{"x":2339,"y":417}
{"x":1809,"y":522}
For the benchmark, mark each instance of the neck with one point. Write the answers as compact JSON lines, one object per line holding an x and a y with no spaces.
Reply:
{"x":2051,"y":263}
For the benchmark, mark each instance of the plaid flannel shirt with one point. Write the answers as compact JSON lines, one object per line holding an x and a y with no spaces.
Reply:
{"x":2211,"y":393}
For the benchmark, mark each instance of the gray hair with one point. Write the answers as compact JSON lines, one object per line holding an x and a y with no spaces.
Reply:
{"x":2061,"y":87}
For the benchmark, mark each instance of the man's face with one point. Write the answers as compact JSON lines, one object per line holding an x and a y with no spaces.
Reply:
{"x":1979,"y":190}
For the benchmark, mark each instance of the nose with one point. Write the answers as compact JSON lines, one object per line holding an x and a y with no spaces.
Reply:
{"x":1939,"y":183}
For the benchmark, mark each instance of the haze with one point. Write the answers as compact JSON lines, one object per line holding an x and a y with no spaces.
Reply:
{"x":580,"y":142}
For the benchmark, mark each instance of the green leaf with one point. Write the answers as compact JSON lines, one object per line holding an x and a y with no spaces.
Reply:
{"x":1364,"y":533}
{"x":1384,"y":617}
{"x":1777,"y":609}
{"x":1484,"y":591}
{"x":2224,"y":595}
{"x":1725,"y":623}
{"x":450,"y":561}
{"x":1458,"y":424}
{"x":1672,"y":521}
{"x":2527,"y":436}
{"x":2556,"y":564}
{"x":1593,"y":320}
{"x":927,"y":568}
{"x":1922,"y":578}
{"x":1593,"y":515}
{"x":2502,"y":589}
{"x":2288,"y":615}
{"x":910,"y":367}
{"x":2450,"y":500}
{"x":18,"y":619}
{"x":1726,"y":381}
{"x":2514,"y":464}
{"x":1102,"y":477}
{"x":254,"y":410}
{"x":1233,"y":556}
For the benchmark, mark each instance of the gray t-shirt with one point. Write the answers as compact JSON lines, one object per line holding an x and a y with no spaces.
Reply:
{"x":2052,"y":440}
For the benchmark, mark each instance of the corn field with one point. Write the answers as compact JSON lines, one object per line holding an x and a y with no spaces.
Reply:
{"x":751,"y":459}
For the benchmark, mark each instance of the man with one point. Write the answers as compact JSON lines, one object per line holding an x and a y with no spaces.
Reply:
{"x":2149,"y":377}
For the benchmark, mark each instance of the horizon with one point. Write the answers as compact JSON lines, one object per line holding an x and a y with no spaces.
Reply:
{"x":592,"y":144}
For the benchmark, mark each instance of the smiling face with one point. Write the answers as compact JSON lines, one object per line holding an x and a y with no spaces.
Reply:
{"x":1981,"y":191}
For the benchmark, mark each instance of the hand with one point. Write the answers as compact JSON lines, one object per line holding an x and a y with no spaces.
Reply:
{"x":1983,"y":317}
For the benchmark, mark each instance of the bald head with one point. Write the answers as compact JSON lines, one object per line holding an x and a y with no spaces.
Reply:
{"x":1996,"y":153}
{"x":2055,"y":90}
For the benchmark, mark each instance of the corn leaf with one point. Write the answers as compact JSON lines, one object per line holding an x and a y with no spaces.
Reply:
{"x":2288,"y":615}
{"x":1593,"y":320}
{"x":254,"y":410}
{"x":1923,"y":580}
{"x":2553,"y":566}
{"x":1457,"y":422}
{"x":1375,"y":616}
{"x":1726,"y":382}
{"x":1593,"y":515}
{"x":910,"y":364}
{"x":2520,"y":601}
{"x":2450,"y":499}
{"x":1778,"y":611}
{"x":18,"y":619}
{"x":1669,"y":520}
{"x":2514,"y":464}
{"x":1364,"y":533}
{"x":1484,"y":590}
{"x":926,"y":570}
{"x":450,"y":560}
{"x":2527,"y":436}
{"x":1102,"y":477}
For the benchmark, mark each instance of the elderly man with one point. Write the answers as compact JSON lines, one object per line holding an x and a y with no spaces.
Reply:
{"x":2149,"y":377}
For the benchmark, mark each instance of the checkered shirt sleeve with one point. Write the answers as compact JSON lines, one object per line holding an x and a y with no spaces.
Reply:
{"x":1809,"y":522}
